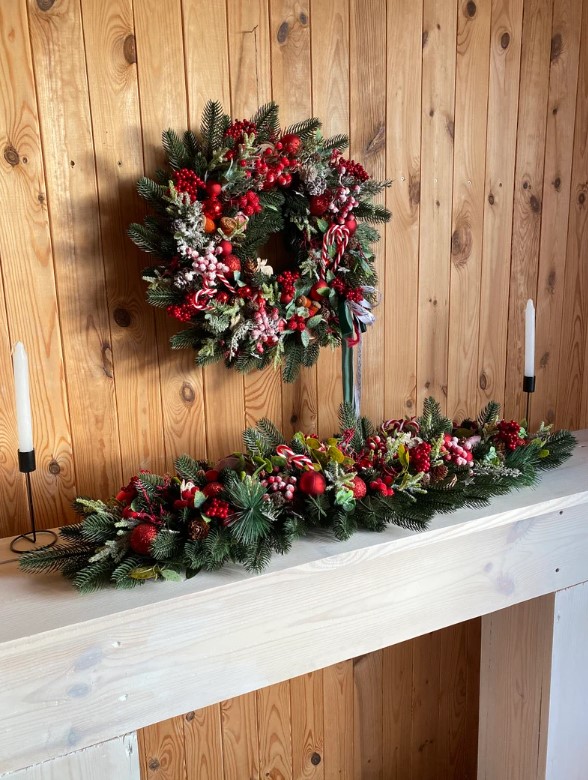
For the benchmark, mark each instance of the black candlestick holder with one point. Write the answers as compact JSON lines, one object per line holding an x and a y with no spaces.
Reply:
{"x":26,"y":542}
{"x":528,"y":388}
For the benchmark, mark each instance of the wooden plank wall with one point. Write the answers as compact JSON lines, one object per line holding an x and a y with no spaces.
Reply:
{"x":477,"y":109}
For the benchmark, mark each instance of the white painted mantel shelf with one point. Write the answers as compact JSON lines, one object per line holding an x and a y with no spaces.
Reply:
{"x":77,"y":671}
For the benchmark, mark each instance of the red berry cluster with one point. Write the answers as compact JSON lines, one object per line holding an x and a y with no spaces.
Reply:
{"x":354,"y":294}
{"x":287,"y":280}
{"x":319,"y":204}
{"x":186,"y":180}
{"x":383,"y":486}
{"x":216,"y":507}
{"x":348,"y":167}
{"x":297,"y":322}
{"x":508,"y":434}
{"x":453,"y":451}
{"x":211,"y":206}
{"x":248,"y":203}
{"x":274,"y":168}
{"x":238,"y":129}
{"x":339,"y":285}
{"x":183,"y":312}
{"x":420,"y":457}
{"x":222,"y":297}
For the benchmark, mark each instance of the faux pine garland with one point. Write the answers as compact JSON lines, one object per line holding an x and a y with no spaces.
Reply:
{"x":257,"y":502}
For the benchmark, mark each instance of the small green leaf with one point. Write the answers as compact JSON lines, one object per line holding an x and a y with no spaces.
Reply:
{"x":543,"y":453}
{"x":171,"y":575}
{"x":199,"y":498}
{"x":305,"y":338}
{"x":322,"y":225}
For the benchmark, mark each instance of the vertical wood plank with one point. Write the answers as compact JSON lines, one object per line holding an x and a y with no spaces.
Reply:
{"x":307,"y":700}
{"x":452,"y":728}
{"x":28,"y":272}
{"x":163,"y":103}
{"x":397,"y":706}
{"x":503,"y":90}
{"x":403,"y":161}
{"x":367,"y":131}
{"x":240,"y":737}
{"x":474,"y":641}
{"x":162,"y":751}
{"x":68,"y":147}
{"x":114,"y":100}
{"x":438,"y":106}
{"x":425,"y":725}
{"x":563,"y":76}
{"x":533,"y":91}
{"x":203,"y":744}
{"x":339,"y":726}
{"x":469,"y":168}
{"x":330,"y":102}
{"x":275,"y":736}
{"x":367,"y":716}
{"x":572,"y":404}
{"x":292,"y":91}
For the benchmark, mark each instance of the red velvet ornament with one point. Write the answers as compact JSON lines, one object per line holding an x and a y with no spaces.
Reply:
{"x":142,"y":536}
{"x":212,"y":489}
{"x":359,"y":487}
{"x":211,"y":475}
{"x":319,"y":204}
{"x":233,"y":263}
{"x":291,"y":144}
{"x":312,"y":483}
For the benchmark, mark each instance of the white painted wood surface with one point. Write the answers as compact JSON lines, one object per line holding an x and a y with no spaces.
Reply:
{"x":117,"y":759}
{"x":77,"y":670}
{"x":567,"y":737}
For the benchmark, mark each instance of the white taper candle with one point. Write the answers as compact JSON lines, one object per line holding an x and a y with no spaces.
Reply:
{"x":530,"y":339}
{"x":24,"y":420}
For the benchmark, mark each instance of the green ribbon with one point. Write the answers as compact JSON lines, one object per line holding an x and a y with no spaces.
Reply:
{"x":347,"y":371}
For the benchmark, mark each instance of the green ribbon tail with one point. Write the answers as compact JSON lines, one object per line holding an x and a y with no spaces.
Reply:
{"x":347,"y":372}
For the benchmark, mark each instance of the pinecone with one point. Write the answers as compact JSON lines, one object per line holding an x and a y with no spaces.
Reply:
{"x":250,"y":266}
{"x":198,"y":530}
{"x":438,"y":473}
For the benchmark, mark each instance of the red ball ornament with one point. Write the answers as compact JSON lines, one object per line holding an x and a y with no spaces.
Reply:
{"x":212,"y":489}
{"x":245,"y":292}
{"x":359,"y":488}
{"x":291,"y":144}
{"x":351,"y":225}
{"x":233,"y":263}
{"x":142,"y":537}
{"x":318,"y":290}
{"x":226,"y":246}
{"x":319,"y":204}
{"x":214,"y":189}
{"x":312,"y":483}
{"x":211,"y":475}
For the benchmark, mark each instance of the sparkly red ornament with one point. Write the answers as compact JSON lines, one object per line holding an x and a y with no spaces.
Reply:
{"x":359,"y":487}
{"x":142,"y":537}
{"x":312,"y":483}
{"x":291,"y":143}
{"x":212,"y":489}
{"x":126,"y":494}
{"x":318,"y":205}
{"x":233,"y":263}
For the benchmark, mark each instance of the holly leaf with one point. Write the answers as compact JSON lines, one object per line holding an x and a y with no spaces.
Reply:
{"x":322,"y":225}
{"x":313,"y":321}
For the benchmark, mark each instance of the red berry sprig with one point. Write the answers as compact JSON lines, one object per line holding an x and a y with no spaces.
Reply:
{"x":287,"y":280}
{"x":420,"y":457}
{"x":508,"y":434}
{"x":185,"y":180}
{"x":249,"y":203}
{"x":383,"y":486}
{"x":348,"y":167}
{"x":239,"y":128}
{"x":297,"y":322}
{"x":216,"y":507}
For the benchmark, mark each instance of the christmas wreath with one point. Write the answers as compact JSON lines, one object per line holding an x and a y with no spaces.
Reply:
{"x":227,"y":191}
{"x":255,"y":503}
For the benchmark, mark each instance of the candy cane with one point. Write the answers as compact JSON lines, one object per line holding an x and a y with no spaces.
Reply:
{"x":300,"y":461}
{"x":338,"y":236}
{"x":398,"y":425}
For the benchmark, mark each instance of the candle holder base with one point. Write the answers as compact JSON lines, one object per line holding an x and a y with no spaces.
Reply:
{"x":26,"y":542}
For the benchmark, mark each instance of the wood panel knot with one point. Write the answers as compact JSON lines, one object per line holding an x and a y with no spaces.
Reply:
{"x":45,"y":5}
{"x":283,"y":30}
{"x":483,"y":381}
{"x":544,"y":360}
{"x":414,"y":189}
{"x":450,"y":126}
{"x":425,"y":38}
{"x":41,"y":198}
{"x":190,"y":716}
{"x":551,"y":279}
{"x":557,"y":183}
{"x":377,"y":141}
{"x":505,"y":40}
{"x":153,"y":764}
{"x":11,"y":156}
{"x":461,"y":245}
{"x":105,"y":354}
{"x":187,"y":393}
{"x":303,"y":18}
{"x":582,"y":198}
{"x":315,"y":759}
{"x":130,"y":49}
{"x":54,"y":468}
{"x":556,"y":47}
{"x":535,"y":204}
{"x":471,"y":9}
{"x":491,"y":199}
{"x":122,"y":317}
{"x":294,"y":418}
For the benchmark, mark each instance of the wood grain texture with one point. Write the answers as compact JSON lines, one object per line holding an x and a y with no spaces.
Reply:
{"x":114,"y":102}
{"x":307,"y":722}
{"x":474,"y":642}
{"x":163,"y":755}
{"x":163,"y":104}
{"x":514,"y":676}
{"x":397,"y":702}
{"x":330,"y":102}
{"x":528,"y":188}
{"x":368,"y":689}
{"x":292,"y":91}
{"x":425,"y":707}
{"x":68,"y":148}
{"x":571,"y":404}
{"x":275,"y":733}
{"x":559,"y":145}
{"x":203,"y":744}
{"x":240,"y":737}
{"x":28,"y":272}
{"x":469,"y":169}
{"x":453,"y":732}
{"x":403,"y":160}
{"x":503,"y":91}
{"x":437,"y":131}
{"x":367,"y":133}
{"x":117,"y":759}
{"x":339,"y":723}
